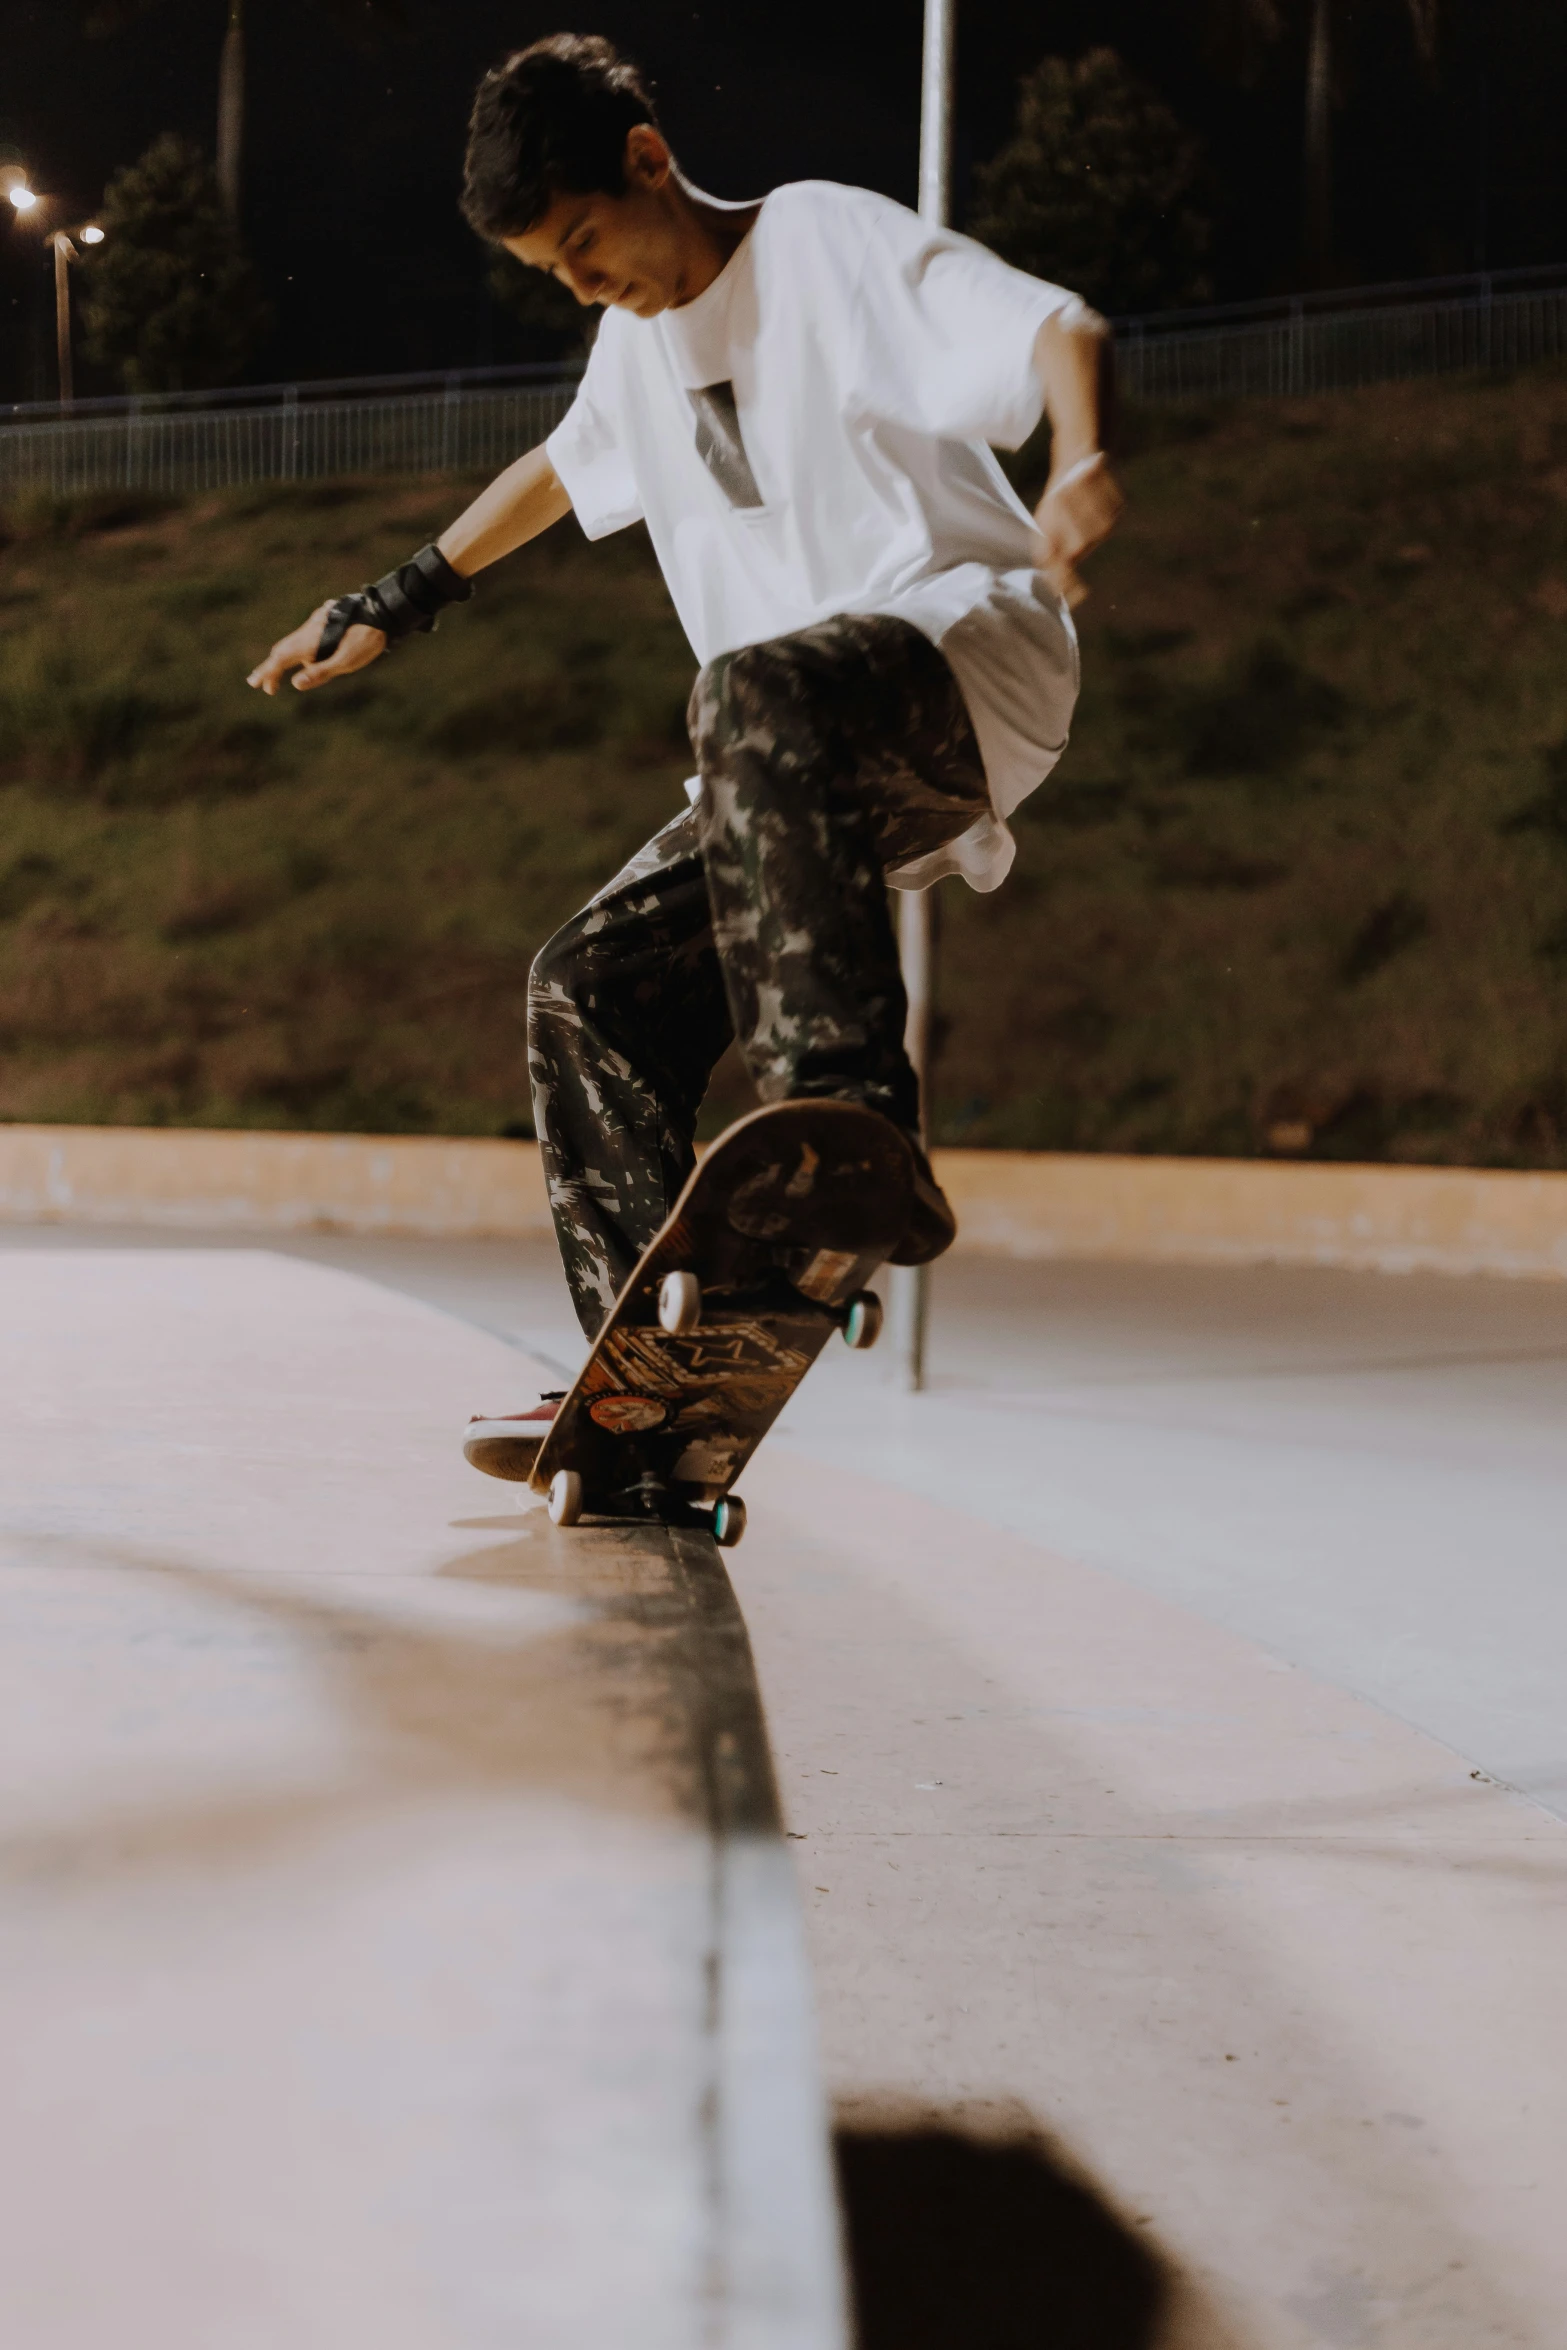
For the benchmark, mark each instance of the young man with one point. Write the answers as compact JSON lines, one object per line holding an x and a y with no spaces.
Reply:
{"x":798,"y":397}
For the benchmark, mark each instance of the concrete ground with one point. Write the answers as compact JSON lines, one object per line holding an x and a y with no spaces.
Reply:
{"x":1168,"y":1711}
{"x":398,"y":1946}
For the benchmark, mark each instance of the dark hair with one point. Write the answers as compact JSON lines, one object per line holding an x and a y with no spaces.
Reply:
{"x":552,"y":120}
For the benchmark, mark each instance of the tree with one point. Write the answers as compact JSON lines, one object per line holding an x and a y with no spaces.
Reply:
{"x":170,"y":302}
{"x":1099,"y":188}
{"x":353,"y":16}
{"x":1239,"y":26}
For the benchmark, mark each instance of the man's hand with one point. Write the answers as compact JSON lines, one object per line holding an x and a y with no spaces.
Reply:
{"x":358,"y":649}
{"x":1076,"y":514}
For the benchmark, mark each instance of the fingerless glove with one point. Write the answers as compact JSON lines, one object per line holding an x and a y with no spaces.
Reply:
{"x":407,"y":602}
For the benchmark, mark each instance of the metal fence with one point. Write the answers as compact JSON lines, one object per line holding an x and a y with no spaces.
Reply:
{"x":1303,"y":349}
{"x":163,"y":448}
{"x":461,"y":422}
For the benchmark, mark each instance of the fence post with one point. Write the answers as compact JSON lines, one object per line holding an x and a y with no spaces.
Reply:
{"x":1295,"y":362}
{"x":291,"y":433}
{"x":449,"y":425}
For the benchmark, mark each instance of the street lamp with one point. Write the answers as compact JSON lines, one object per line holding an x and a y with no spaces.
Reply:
{"x":64,"y":255}
{"x":63,"y":243}
{"x":65,"y":252}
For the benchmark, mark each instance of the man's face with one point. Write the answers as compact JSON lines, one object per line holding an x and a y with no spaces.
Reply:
{"x":624,"y":252}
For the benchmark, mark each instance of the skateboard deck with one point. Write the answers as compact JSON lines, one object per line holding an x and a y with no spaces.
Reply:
{"x":771,"y":1244}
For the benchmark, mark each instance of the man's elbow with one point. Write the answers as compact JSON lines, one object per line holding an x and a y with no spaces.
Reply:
{"x":1074,"y":329}
{"x":1084,"y":323}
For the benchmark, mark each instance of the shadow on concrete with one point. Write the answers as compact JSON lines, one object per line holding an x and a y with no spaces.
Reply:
{"x":958,"y":2241}
{"x":620,"y":1679}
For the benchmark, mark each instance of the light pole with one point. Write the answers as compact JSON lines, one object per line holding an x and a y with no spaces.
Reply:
{"x":916,"y":907}
{"x":61,"y":242}
{"x":231,"y":108}
{"x":65,"y":252}
{"x":64,"y":255}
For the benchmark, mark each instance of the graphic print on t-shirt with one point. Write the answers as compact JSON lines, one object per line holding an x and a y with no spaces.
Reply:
{"x":720,"y":446}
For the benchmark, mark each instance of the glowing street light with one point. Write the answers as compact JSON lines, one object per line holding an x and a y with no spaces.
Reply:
{"x":63,"y":243}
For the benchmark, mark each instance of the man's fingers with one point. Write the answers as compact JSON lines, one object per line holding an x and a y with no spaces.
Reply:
{"x":1063,"y":577}
{"x":1086,"y":514}
{"x":1097,"y":518}
{"x":1076,"y":515}
{"x":272,"y":672}
{"x":358,"y":649}
{"x":1095,"y":505}
{"x":286,"y":654}
{"x":343,"y":663}
{"x":289,"y":652}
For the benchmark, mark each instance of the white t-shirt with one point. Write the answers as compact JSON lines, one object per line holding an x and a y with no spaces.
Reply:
{"x":809,"y":436}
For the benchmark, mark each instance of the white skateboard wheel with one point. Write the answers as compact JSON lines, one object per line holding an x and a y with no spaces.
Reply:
{"x":679,"y":1302}
{"x":565,"y":1497}
{"x":729,"y":1521}
{"x":862,"y":1322}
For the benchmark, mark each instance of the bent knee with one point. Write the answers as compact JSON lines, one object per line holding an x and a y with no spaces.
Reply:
{"x":559,"y":980}
{"x":735,"y":694}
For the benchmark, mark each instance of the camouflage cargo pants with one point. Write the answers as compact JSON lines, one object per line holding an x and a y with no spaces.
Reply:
{"x":760,"y":914}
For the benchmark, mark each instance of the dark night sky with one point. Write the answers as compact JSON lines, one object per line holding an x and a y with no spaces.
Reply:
{"x":353,"y":157}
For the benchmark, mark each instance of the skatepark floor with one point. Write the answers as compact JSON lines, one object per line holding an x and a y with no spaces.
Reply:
{"x":1167,"y":1704}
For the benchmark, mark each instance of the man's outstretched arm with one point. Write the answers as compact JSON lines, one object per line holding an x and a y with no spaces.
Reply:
{"x":1078,"y":511}
{"x":518,"y":504}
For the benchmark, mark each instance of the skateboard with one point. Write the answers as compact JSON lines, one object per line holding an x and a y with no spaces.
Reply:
{"x":765,"y":1256}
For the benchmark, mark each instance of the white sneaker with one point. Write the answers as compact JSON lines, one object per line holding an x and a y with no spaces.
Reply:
{"x":509,"y":1446}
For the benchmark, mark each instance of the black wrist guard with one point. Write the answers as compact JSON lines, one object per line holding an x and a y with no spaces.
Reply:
{"x":407,"y":602}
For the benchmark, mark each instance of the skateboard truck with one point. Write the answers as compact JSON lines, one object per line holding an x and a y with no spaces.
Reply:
{"x":680,"y":1309}
{"x":649,"y":1497}
{"x":649,"y":1494}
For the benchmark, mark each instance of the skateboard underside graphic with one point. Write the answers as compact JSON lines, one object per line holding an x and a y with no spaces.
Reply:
{"x":764,"y":1258}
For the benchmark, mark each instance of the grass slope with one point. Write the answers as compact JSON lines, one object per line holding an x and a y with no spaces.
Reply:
{"x":317,"y":912}
{"x":1300,"y":882}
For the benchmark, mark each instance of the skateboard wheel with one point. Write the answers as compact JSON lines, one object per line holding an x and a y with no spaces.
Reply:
{"x":565,"y":1497}
{"x":729,"y":1521}
{"x":679,"y":1302}
{"x":862,"y":1322}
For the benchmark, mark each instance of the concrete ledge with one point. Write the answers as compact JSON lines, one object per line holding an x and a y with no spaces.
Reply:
{"x":1011,"y":1203}
{"x":1244,"y":1211}
{"x":187,"y":1177}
